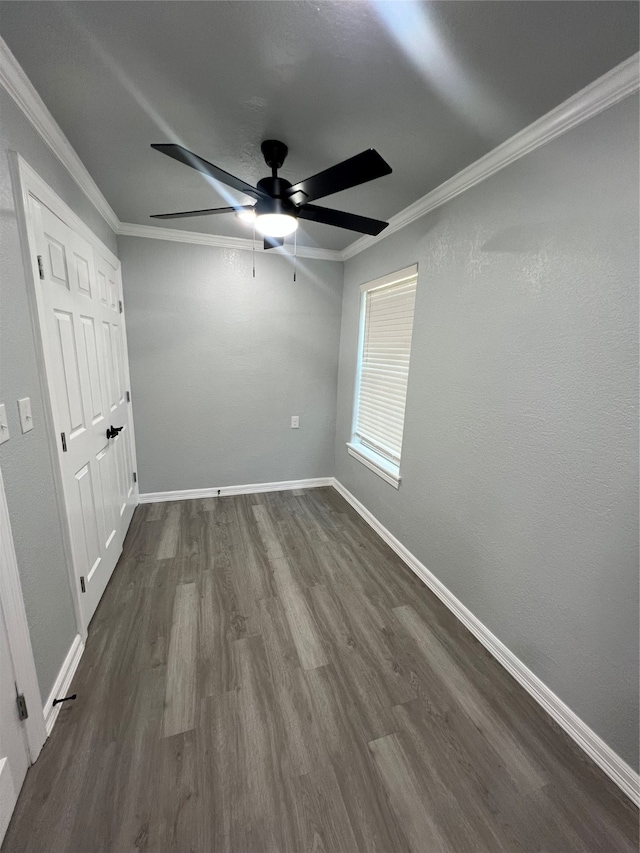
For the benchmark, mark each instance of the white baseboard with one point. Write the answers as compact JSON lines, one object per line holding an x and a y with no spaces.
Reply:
{"x":249,"y":489}
{"x":615,"y":767}
{"x":62,"y":682}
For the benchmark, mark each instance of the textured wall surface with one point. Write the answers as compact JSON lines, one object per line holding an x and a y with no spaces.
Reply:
{"x":25,"y":459}
{"x":220,"y":361}
{"x":520,"y":456}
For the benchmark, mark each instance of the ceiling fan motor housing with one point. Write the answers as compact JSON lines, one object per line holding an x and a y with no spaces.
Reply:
{"x":278,"y":202}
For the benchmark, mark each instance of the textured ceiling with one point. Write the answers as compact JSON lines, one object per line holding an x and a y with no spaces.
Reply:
{"x":432,"y":86}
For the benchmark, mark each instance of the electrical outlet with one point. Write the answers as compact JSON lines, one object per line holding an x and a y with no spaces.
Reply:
{"x":24,"y":408}
{"x":4,"y":425}
{"x":295,"y":421}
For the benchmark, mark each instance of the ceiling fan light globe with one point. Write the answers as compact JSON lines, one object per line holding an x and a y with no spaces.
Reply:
{"x":276,"y":224}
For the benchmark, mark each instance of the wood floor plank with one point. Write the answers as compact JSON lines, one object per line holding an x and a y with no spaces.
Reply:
{"x":304,"y":631}
{"x":325,"y":823}
{"x":168,"y":544}
{"x":376,"y":828}
{"x":368,"y":630}
{"x":176,"y":830}
{"x":154,"y":511}
{"x":180,"y":693}
{"x":266,"y":795}
{"x":457,"y":766}
{"x":409,"y":798}
{"x":303,"y":750}
{"x":264,"y":675}
{"x":520,"y":764}
{"x":220,"y":781}
{"x":353,"y":666}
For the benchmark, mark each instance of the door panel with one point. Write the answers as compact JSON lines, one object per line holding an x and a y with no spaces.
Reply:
{"x":102,"y":287}
{"x":92,"y":359}
{"x":68,"y":373}
{"x":90,"y":544}
{"x":116,"y":364}
{"x":79,"y":303}
{"x":57,"y":261}
{"x":83,"y":279}
{"x":105,"y":496}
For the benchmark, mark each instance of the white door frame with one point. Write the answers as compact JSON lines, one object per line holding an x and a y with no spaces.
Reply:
{"x":27,"y":182}
{"x":15,"y":618}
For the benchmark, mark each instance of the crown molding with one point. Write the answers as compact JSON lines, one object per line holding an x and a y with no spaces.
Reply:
{"x":614,"y":86}
{"x":153,"y":232}
{"x":16,"y":83}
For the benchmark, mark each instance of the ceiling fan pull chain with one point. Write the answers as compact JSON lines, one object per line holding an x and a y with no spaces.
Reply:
{"x":295,"y":253}
{"x":253,"y":249}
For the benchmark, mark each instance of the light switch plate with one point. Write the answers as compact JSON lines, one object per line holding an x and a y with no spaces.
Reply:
{"x":24,"y":408}
{"x":4,"y":426}
{"x":295,"y":421}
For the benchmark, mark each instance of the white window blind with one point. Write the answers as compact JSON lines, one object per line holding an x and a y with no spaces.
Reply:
{"x":384,"y":364}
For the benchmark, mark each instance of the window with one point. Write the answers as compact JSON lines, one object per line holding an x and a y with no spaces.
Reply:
{"x":386,"y":324}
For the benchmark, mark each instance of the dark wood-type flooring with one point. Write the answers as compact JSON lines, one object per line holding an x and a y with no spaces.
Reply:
{"x":264,"y":675}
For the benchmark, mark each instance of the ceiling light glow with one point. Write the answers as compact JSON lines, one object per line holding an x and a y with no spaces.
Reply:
{"x":276,"y":224}
{"x":246,"y":215}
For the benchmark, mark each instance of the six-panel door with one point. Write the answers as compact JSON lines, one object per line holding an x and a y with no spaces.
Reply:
{"x":80,"y":307}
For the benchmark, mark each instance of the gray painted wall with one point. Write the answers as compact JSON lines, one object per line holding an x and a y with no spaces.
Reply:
{"x":220,"y":361}
{"x":25,"y":460}
{"x":520,"y":457}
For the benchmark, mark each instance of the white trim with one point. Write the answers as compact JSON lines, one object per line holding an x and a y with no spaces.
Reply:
{"x":8,"y":796}
{"x":63,"y":682}
{"x":16,"y":83}
{"x":615,"y":767}
{"x":154,"y":232}
{"x":614,"y":86}
{"x":15,"y":618}
{"x":375,"y":462}
{"x":222,"y":491}
{"x":398,"y":277}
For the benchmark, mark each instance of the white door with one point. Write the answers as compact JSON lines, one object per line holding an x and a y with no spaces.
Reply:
{"x":79,"y":298}
{"x":14,"y":758}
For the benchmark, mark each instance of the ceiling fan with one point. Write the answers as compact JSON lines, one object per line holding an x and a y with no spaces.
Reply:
{"x":278,"y":203}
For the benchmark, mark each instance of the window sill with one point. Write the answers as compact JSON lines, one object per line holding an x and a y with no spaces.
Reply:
{"x":390,"y":473}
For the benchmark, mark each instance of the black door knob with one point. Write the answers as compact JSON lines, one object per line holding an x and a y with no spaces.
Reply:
{"x":113,"y":431}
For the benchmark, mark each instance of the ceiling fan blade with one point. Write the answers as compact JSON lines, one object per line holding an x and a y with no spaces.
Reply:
{"x":273,"y":242}
{"x":340,"y":219}
{"x":183,"y":155}
{"x":186,"y":213}
{"x":350,"y":173}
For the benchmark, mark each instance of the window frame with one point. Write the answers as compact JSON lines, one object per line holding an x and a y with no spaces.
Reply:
{"x":376,"y":462}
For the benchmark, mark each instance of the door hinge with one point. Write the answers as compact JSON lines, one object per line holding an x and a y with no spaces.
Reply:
{"x":128,"y":396}
{"x":21,"y":702}
{"x":120,"y":305}
{"x":135,"y":476}
{"x":40,"y":266}
{"x":64,"y":442}
{"x":82,"y":586}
